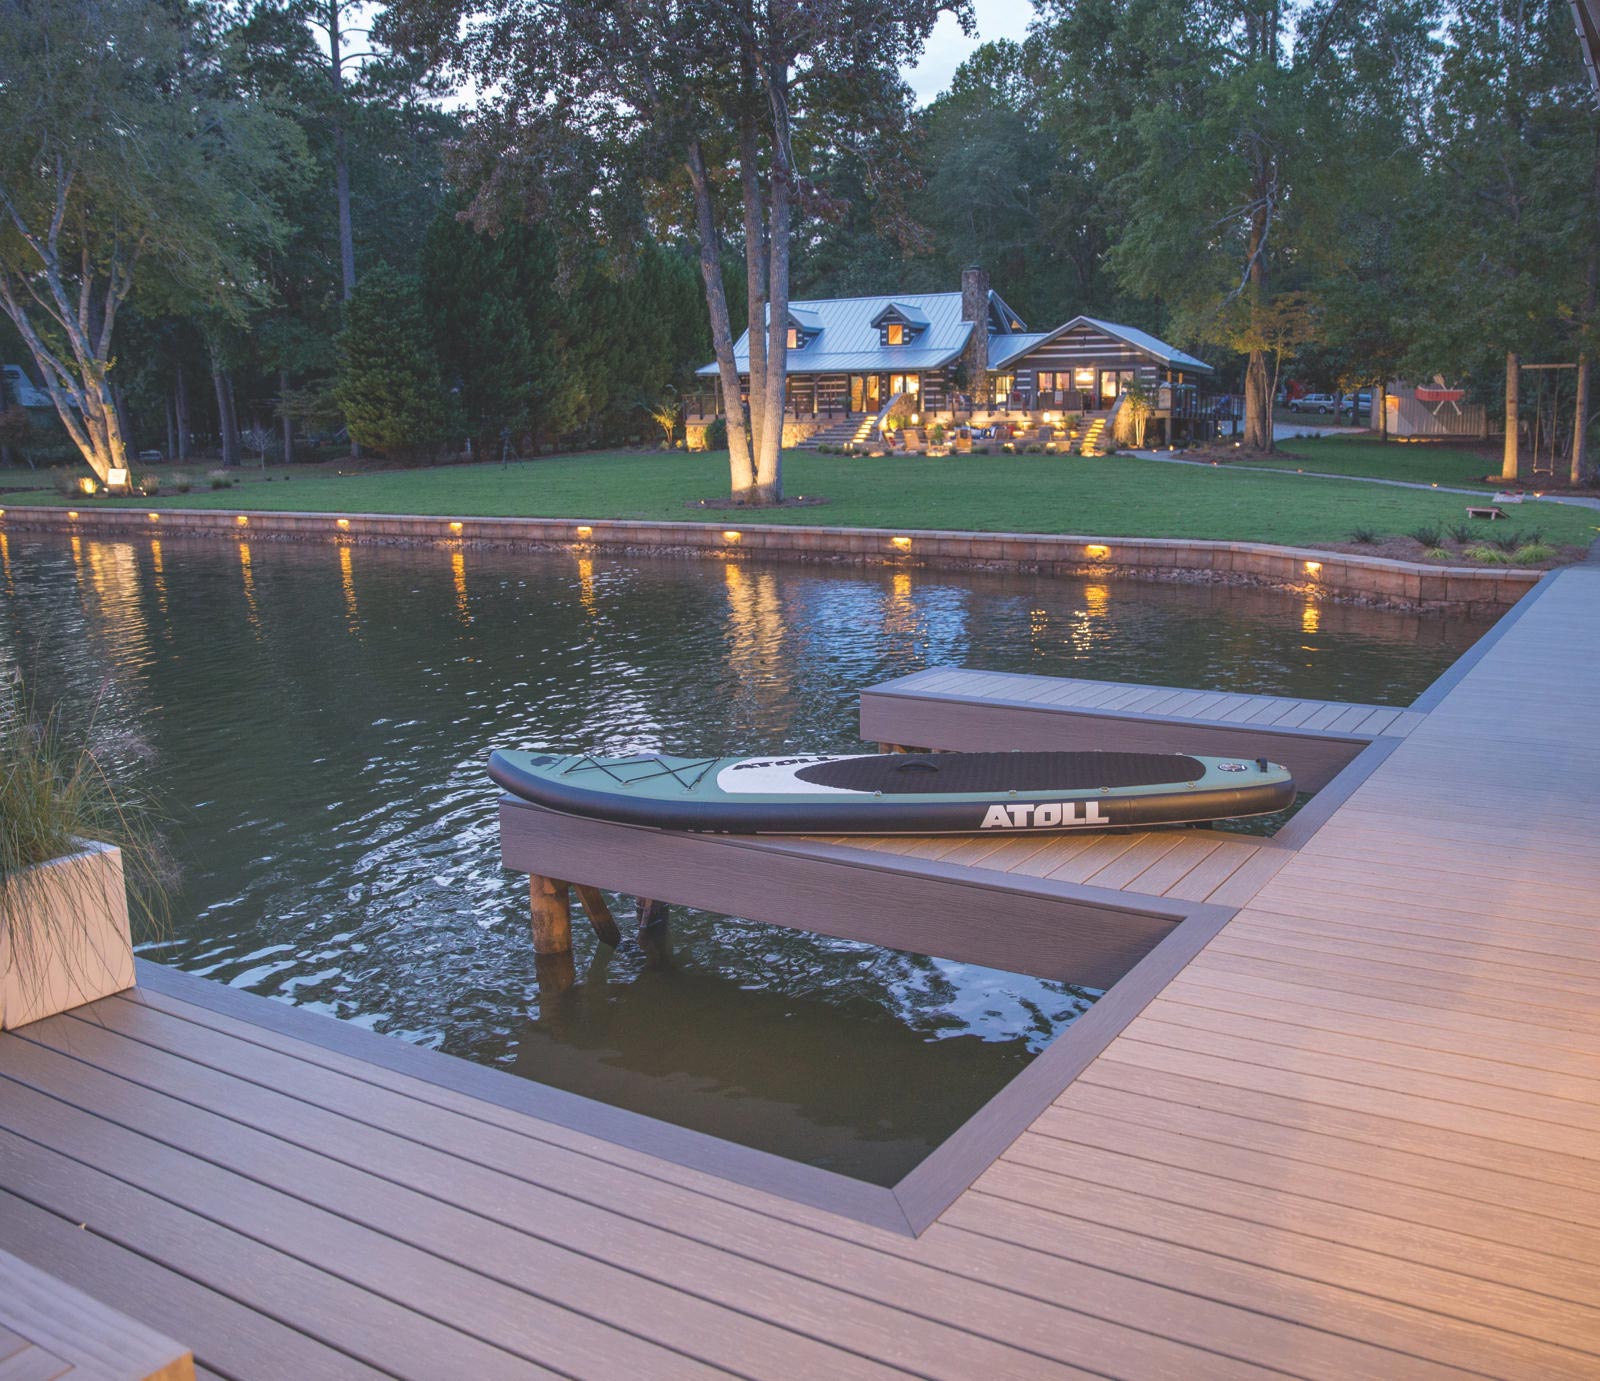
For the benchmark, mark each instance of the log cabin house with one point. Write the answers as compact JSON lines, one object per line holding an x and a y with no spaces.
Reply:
{"x":967,"y":359}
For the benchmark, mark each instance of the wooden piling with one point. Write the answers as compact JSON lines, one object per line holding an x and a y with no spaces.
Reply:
{"x":550,"y":910}
{"x":599,"y":914}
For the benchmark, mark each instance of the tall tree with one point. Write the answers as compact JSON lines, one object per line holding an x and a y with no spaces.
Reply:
{"x":591,"y":105}
{"x":116,"y":112}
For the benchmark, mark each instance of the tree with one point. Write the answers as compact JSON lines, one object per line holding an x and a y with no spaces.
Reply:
{"x":116,"y":112}
{"x":390,"y":388}
{"x":602,"y":117}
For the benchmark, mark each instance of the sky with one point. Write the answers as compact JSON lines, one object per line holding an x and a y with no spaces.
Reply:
{"x":948,"y":48}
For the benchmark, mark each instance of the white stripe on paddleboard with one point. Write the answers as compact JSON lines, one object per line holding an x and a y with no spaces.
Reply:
{"x":775,"y":776}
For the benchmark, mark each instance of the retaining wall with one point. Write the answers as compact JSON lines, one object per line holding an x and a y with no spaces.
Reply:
{"x":1306,"y":571}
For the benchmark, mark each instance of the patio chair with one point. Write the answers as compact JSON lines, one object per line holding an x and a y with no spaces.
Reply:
{"x":916,"y":439}
{"x":963,"y":442}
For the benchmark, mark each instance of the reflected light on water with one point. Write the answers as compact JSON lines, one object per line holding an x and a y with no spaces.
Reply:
{"x":755,"y":631}
{"x":458,"y":577}
{"x":158,"y":579}
{"x":347,"y":582}
{"x":5,"y":564}
{"x":586,"y":586}
{"x":1311,"y":618}
{"x":247,"y":575}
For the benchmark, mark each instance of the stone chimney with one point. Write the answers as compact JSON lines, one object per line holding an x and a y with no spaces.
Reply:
{"x":975,"y":308}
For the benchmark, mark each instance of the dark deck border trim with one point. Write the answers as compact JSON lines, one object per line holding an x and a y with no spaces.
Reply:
{"x":1456,"y":672}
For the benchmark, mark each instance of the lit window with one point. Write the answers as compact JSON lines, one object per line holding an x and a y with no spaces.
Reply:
{"x":794,"y":339}
{"x":897,"y":333}
{"x":1083,"y":378}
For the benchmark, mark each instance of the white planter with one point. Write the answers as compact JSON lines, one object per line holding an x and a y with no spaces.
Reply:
{"x":72,"y":943}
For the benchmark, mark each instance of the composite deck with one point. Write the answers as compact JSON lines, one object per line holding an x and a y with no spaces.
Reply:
{"x":1355,"y":1134}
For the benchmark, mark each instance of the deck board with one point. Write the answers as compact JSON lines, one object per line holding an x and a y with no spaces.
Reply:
{"x":1354,"y":1135}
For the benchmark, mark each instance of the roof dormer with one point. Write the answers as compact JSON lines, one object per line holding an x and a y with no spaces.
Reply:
{"x":899,"y":324}
{"x":804,"y":327}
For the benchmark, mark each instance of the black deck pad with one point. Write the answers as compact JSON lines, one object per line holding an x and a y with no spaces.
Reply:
{"x":898,"y":774}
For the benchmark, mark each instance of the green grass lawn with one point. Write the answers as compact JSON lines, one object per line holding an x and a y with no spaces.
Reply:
{"x":1427,"y":463}
{"x":1110,"y":497}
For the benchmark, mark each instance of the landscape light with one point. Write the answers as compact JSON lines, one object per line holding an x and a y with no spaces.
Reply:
{"x":1312,"y":567}
{"x":86,"y":485}
{"x":901,"y":543}
{"x":1097,"y":552}
{"x":242,"y":520}
{"x":455,"y":527}
{"x":343,"y":524}
{"x":2,"y":513}
{"x":73,"y":514}
{"x":586,"y":532}
{"x":731,"y":536}
{"x":153,"y":517}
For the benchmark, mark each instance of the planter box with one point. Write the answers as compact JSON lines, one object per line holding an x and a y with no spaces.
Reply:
{"x":77,"y":946}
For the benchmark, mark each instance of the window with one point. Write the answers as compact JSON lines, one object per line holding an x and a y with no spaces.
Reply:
{"x":897,"y":333}
{"x":794,"y":338}
{"x":1047,"y":381}
{"x":1004,"y":384}
{"x":1083,"y":378}
{"x":905,"y":383}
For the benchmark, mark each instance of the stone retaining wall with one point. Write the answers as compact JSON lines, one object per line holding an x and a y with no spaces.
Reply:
{"x":1306,"y":571}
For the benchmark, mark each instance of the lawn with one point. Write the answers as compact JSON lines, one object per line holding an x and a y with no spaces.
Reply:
{"x":1111,"y":497}
{"x":1425,"y":463}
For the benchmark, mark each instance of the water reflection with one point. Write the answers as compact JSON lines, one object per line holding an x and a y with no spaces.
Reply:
{"x":339,"y":835}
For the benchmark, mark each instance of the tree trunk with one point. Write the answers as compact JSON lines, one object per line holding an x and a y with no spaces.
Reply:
{"x":769,"y":457}
{"x":1379,"y":416}
{"x":741,"y":463}
{"x":227,"y":422}
{"x":119,"y":401}
{"x":1508,"y":463}
{"x":172,"y":427}
{"x":341,"y":161}
{"x":288,"y":423}
{"x":181,"y":401}
{"x":1257,"y":383}
{"x":755,"y":270}
{"x":1580,"y":424}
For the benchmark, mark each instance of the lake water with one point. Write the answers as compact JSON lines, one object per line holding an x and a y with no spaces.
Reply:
{"x":317,"y":718}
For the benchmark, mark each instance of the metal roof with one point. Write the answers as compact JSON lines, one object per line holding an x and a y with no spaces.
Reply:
{"x":848,"y":340}
{"x":1013,"y":349}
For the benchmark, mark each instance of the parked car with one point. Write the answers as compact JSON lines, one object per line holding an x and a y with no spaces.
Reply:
{"x":1323,"y":403}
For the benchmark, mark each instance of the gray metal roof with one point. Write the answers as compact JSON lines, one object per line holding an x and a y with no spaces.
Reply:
{"x":1005,"y":348}
{"x":848,"y":342}
{"x":1012,"y":347}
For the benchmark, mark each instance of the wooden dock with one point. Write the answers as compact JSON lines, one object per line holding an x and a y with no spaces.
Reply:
{"x":1347,"y":1125}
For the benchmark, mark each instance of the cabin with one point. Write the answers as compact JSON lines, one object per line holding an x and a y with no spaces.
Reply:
{"x":967,"y":360}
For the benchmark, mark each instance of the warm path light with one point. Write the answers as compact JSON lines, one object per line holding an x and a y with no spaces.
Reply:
{"x":1096,"y":551}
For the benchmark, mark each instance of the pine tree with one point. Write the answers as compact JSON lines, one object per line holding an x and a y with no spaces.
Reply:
{"x":390,"y":388}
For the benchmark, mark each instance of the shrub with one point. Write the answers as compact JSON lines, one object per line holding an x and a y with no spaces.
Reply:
{"x":149,"y":483}
{"x":1364,"y":536}
{"x":61,"y":787}
{"x":221,"y":479}
{"x":1009,"y":448}
{"x":180,"y":482}
{"x":1510,"y":542}
{"x":717,"y":435}
{"x":1463,"y":532}
{"x":1033,"y":448}
{"x":1429,"y":535}
{"x":67,"y":482}
{"x":1532,"y":553}
{"x":1437,"y":553}
{"x":1489,"y":555}
{"x":936,"y":434}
